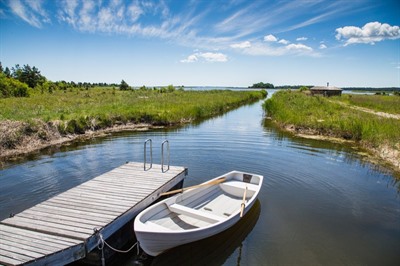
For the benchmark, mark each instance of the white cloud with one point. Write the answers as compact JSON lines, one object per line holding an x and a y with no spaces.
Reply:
{"x":30,"y":11}
{"x":190,"y":59}
{"x":283,"y":41}
{"x":270,"y":38}
{"x":207,"y":56}
{"x":134,"y":12}
{"x":370,"y":33}
{"x":322,"y":46}
{"x":241,"y":45}
{"x":301,"y":39}
{"x":119,"y":17}
{"x":214,"y":57}
{"x":298,"y":47}
{"x":266,"y":49}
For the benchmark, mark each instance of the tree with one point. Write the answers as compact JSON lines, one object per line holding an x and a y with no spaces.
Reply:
{"x":262,"y":85}
{"x":123,"y":86}
{"x":29,"y":75}
{"x":7,"y":72}
{"x":170,"y":88}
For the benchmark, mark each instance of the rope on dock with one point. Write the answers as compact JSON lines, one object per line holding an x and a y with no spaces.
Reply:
{"x":101,"y":242}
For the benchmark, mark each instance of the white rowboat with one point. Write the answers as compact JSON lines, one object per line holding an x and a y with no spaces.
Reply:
{"x":197,"y":213}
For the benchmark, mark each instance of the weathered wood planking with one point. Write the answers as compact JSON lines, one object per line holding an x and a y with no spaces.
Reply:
{"x":60,"y":230}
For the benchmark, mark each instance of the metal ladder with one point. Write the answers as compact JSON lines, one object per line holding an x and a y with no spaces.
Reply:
{"x":163,"y":144}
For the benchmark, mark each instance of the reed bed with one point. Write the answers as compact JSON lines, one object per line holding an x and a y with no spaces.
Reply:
{"x":75,"y":111}
{"x":382,"y":103}
{"x":325,"y":117}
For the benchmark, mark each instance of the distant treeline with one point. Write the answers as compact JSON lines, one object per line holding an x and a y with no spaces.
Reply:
{"x":21,"y":81}
{"x":371,"y":89}
{"x":293,"y":87}
{"x":262,"y":85}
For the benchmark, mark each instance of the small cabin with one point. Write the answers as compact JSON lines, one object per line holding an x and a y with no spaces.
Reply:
{"x":326,"y":91}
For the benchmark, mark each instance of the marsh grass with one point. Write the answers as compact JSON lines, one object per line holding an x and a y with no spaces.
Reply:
{"x":382,"y":103}
{"x":75,"y":111}
{"x":329,"y":118}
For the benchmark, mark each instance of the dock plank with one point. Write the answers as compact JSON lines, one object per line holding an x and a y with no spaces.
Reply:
{"x":49,"y":228}
{"x":52,"y":219}
{"x":37,"y":236}
{"x":9,"y":238}
{"x":65,"y":206}
{"x":9,"y":260}
{"x":94,"y":204}
{"x":70,"y":212}
{"x":40,"y":214}
{"x":61,"y":229}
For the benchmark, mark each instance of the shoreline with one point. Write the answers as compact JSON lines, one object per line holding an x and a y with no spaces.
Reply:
{"x":30,"y":144}
{"x":383,"y":154}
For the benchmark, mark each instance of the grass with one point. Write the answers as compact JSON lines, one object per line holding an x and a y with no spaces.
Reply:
{"x":76,"y":110}
{"x":328,"y":118}
{"x":382,"y":103}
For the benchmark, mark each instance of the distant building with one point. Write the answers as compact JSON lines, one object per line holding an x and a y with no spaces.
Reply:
{"x":326,"y":91}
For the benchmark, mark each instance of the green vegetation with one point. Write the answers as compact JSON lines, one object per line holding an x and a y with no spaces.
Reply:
{"x":326,"y":117}
{"x":76,"y":110}
{"x":381,"y":103}
{"x":124,"y":86}
{"x":262,"y":85}
{"x":32,"y":105}
{"x":22,"y":81}
{"x":10,"y":87}
{"x":293,"y":87}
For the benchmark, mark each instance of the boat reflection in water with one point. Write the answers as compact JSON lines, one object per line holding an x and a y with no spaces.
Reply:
{"x":214,"y":250}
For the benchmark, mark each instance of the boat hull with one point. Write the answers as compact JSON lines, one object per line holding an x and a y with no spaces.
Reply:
{"x":194,"y":215}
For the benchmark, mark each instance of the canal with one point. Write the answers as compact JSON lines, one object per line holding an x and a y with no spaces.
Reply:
{"x":320,"y":204}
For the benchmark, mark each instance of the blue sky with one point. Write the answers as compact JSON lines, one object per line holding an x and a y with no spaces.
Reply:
{"x":205,"y":42}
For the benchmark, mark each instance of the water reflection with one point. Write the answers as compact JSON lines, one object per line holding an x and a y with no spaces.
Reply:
{"x":322,"y":204}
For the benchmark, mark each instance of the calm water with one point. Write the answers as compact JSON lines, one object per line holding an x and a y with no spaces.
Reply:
{"x":320,"y":203}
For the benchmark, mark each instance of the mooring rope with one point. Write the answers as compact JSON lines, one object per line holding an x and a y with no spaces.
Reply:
{"x":101,"y":242}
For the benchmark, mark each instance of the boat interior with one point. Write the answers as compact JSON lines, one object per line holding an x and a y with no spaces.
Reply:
{"x":201,"y":207}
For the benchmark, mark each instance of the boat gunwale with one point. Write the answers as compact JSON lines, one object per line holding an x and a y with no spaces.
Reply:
{"x":144,"y":228}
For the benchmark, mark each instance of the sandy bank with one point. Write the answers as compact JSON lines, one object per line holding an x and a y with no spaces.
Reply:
{"x":383,"y":153}
{"x":18,"y":139}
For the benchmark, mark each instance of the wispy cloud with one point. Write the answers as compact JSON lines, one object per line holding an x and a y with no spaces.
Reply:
{"x":322,"y":46}
{"x":321,"y":11}
{"x":207,"y":56}
{"x":30,"y":11}
{"x":242,"y":45}
{"x":302,"y":39}
{"x":206,"y":25}
{"x":119,"y":17}
{"x":276,"y":48}
{"x":370,"y":33}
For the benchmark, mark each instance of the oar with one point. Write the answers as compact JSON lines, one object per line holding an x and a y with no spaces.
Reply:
{"x":243,"y":202}
{"x":211,"y":183}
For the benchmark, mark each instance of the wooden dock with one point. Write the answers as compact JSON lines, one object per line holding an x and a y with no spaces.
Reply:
{"x":61,"y":230}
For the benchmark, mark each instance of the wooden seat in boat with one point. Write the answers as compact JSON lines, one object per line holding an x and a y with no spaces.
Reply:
{"x":201,"y":215}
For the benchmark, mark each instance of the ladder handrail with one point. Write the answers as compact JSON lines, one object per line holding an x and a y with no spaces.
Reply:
{"x":151,"y":154}
{"x":162,"y":156}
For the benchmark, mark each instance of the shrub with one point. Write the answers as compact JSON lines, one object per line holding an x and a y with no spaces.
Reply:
{"x":10,"y":87}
